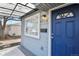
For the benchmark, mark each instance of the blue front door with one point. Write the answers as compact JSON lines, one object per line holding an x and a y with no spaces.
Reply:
{"x":65,"y":31}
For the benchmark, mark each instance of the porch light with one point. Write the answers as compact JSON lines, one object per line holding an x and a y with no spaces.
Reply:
{"x":44,"y":17}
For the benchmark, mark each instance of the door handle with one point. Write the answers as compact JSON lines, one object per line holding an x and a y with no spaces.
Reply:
{"x":52,"y":34}
{"x":52,"y":37}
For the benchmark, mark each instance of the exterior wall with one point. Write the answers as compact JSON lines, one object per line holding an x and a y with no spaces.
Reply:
{"x":14,"y":29}
{"x":11,"y":29}
{"x":36,"y":46}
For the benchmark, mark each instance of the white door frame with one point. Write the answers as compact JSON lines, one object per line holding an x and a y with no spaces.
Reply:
{"x":49,"y":21}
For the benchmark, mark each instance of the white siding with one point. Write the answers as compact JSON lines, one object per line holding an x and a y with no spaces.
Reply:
{"x":38,"y":47}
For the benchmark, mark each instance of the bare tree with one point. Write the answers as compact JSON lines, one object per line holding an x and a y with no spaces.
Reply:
{"x":3,"y":25}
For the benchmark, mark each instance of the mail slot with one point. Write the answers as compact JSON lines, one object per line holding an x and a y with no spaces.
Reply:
{"x":43,"y":30}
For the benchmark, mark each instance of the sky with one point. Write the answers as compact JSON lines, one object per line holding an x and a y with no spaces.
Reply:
{"x":12,"y":22}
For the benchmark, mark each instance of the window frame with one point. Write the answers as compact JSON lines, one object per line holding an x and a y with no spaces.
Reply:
{"x":26,"y":19}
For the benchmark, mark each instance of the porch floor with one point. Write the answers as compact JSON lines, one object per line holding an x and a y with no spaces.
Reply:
{"x":15,"y":51}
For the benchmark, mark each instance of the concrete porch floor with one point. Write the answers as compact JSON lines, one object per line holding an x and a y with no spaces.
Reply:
{"x":15,"y":51}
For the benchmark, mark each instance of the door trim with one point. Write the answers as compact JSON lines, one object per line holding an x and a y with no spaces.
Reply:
{"x":49,"y":24}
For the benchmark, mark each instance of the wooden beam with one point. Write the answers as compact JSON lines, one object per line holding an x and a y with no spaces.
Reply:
{"x":13,"y":9}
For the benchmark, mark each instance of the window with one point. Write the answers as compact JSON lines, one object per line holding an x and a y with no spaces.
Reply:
{"x":32,"y":26}
{"x":65,"y":15}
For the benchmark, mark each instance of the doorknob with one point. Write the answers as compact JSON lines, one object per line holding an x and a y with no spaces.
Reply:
{"x":52,"y":37}
{"x":52,"y":34}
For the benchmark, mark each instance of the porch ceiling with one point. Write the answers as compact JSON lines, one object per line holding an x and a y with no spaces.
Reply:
{"x":43,"y":7}
{"x":47,"y":6}
{"x":22,"y":9}
{"x":15,"y":9}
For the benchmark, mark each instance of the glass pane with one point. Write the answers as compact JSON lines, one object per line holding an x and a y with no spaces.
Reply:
{"x":32,"y":24}
{"x":31,"y":5}
{"x":14,"y":16}
{"x":7,"y":5}
{"x":1,"y":14}
{"x":18,"y":13}
{"x":23,"y":8}
{"x":65,"y":15}
{"x":5,"y":10}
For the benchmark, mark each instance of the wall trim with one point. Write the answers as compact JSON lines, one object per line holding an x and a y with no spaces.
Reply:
{"x":49,"y":21}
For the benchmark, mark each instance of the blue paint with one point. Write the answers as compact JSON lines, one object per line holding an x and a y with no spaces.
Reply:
{"x":66,"y":32}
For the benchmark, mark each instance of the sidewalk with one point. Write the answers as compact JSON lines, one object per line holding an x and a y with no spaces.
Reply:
{"x":5,"y":42}
{"x":9,"y":43}
{"x":15,"y":51}
{"x":4,"y":51}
